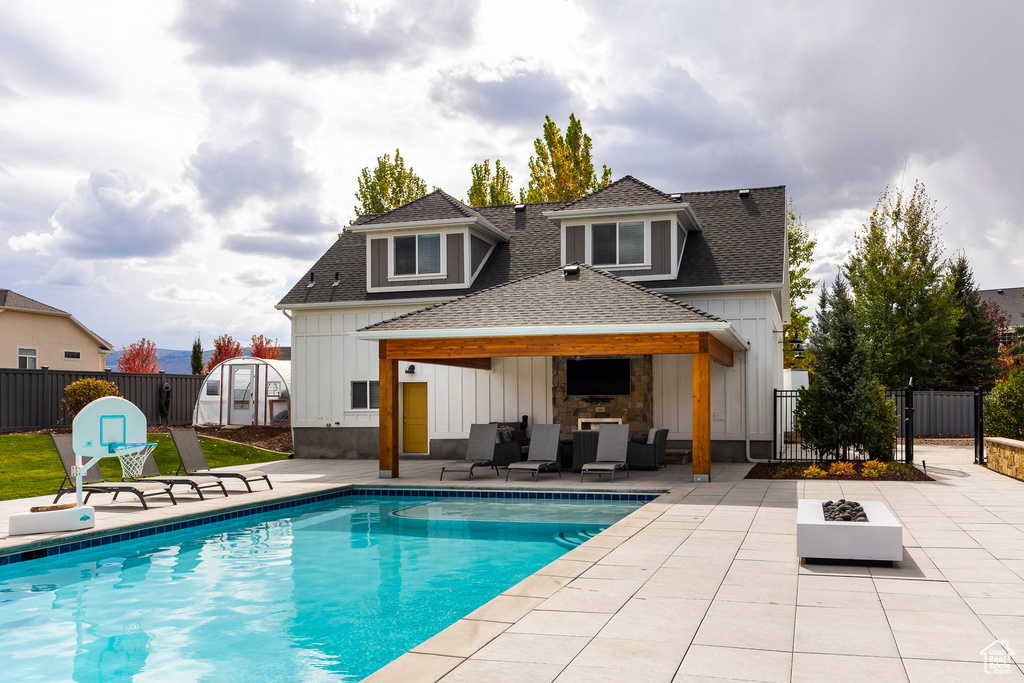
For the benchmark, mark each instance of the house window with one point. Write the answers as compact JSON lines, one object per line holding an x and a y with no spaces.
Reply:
{"x":418,"y":254}
{"x":1008,"y":338}
{"x":72,"y":355}
{"x":27,"y":359}
{"x":618,"y":244}
{"x":366,"y":395}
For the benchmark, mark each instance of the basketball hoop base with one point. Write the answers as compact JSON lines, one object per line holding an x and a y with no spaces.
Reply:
{"x":72,"y":519}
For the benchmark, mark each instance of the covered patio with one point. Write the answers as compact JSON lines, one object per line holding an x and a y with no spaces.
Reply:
{"x":572,"y":311}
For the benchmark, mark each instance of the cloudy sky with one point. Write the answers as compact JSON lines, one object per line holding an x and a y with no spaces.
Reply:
{"x":170,"y":168}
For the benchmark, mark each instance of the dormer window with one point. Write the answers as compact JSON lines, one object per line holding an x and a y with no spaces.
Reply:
{"x":618,"y":244}
{"x":418,"y":254}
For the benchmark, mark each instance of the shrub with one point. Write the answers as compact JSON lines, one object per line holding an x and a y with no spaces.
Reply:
{"x":841,"y":469}
{"x":78,"y":395}
{"x":1004,"y":408}
{"x":814,"y":472}
{"x":884,"y":427}
{"x":874,"y":469}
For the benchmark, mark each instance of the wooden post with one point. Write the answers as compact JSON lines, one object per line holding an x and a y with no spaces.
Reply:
{"x":702,"y":417}
{"x":388,"y":414}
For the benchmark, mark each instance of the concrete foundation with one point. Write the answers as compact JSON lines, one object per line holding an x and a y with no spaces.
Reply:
{"x":362,"y":443}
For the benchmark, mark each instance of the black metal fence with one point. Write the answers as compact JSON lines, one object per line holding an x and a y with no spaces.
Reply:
{"x":33,"y":399}
{"x":787,"y":446}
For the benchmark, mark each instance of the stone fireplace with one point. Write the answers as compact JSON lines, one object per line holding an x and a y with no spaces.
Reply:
{"x":636,"y":409}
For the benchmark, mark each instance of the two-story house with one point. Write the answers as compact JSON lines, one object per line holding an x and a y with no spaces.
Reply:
{"x":33,"y":335}
{"x":422,"y":321}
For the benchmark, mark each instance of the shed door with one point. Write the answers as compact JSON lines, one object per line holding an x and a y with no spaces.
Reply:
{"x":242,"y":383}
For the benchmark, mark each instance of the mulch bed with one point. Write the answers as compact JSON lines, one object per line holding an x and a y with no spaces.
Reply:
{"x":897,"y":471}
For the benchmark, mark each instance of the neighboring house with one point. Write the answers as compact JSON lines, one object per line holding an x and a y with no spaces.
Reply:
{"x":33,"y":335}
{"x":688,"y":290}
{"x":1011,"y":303}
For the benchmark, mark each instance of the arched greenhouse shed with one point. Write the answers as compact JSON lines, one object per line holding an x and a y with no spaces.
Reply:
{"x":246,"y":391}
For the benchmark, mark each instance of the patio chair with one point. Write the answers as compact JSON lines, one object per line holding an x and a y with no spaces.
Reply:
{"x":197,"y":481}
{"x":479,"y":450}
{"x":611,"y":451}
{"x":650,"y":455}
{"x":93,"y":481}
{"x":193,"y":461}
{"x":543,"y":452}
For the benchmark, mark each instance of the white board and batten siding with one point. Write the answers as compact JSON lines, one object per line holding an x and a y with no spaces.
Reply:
{"x":326,"y":359}
{"x":756,"y":317}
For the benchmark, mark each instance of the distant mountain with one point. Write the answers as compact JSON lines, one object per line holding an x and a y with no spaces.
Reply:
{"x":172,"y":361}
{"x":177,"y":362}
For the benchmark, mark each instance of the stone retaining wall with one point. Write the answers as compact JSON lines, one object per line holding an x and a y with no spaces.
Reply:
{"x":1005,"y":456}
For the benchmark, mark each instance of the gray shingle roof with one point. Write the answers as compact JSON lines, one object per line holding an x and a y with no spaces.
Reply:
{"x":627,"y":191}
{"x":742,"y":243}
{"x":434,"y":206}
{"x":1010,"y":301}
{"x":9,"y":299}
{"x":552,"y":298}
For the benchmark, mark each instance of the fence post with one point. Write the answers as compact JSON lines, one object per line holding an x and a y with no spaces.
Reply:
{"x":775,"y":424}
{"x":908,"y":432}
{"x":47,"y":410}
{"x":979,"y":426}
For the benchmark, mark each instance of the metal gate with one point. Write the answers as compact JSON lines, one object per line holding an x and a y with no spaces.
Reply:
{"x":979,"y":426}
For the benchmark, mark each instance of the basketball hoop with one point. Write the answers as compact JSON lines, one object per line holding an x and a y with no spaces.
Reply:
{"x":133,"y":457}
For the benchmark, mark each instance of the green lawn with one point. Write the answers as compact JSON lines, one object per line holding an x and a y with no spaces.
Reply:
{"x":29,"y":465}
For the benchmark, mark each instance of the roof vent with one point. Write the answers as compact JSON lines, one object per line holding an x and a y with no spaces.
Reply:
{"x":676,"y":195}
{"x":312,"y":280}
{"x":520,"y":208}
{"x":337,"y":279}
{"x":744,"y":193}
{"x":999,"y":291}
{"x":571,"y":270}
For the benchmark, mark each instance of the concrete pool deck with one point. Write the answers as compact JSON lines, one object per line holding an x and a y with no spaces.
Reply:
{"x":704,"y":583}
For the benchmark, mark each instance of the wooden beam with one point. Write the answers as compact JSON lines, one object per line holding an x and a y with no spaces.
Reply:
{"x":430,"y":350}
{"x":473,"y":363}
{"x":720,"y":353}
{"x":388,"y":414}
{"x":701,"y":417}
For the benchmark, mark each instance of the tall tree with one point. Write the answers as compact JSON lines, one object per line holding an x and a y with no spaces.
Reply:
{"x":224,"y":347}
{"x":801,"y":244}
{"x":563,"y":169}
{"x":903,"y":297}
{"x":138,"y":357}
{"x":844,"y":409}
{"x":974,"y":351}
{"x":388,"y":186}
{"x":197,"y":356}
{"x":264,"y":347}
{"x":488,"y":190}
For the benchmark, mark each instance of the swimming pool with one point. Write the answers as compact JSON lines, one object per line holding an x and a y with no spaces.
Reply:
{"x":328,"y":591}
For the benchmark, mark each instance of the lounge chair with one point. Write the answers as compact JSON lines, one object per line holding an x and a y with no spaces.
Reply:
{"x":479,"y":450}
{"x":194,"y":462}
{"x":197,"y":482}
{"x":93,"y":481}
{"x":649,"y":455}
{"x":543,"y":452}
{"x":611,"y":451}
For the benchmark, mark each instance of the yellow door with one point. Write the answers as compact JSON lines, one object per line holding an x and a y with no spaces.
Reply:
{"x":414,"y":417}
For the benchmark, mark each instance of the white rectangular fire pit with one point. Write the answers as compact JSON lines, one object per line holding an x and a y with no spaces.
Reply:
{"x":878,"y":539}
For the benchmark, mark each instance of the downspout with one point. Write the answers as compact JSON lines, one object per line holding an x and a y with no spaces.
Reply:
{"x":746,"y":406}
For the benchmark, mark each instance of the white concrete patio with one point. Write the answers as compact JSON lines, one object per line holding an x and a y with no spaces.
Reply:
{"x":704,"y":583}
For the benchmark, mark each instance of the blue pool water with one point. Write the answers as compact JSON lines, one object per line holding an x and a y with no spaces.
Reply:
{"x":324,"y":592}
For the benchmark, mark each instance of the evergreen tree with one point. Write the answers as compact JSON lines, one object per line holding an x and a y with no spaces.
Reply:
{"x":197,"y":356}
{"x":388,"y":186}
{"x":487,"y":190}
{"x":974,"y":351}
{"x":563,"y":169}
{"x":903,"y":297}
{"x":844,"y":409}
{"x":800,"y":243}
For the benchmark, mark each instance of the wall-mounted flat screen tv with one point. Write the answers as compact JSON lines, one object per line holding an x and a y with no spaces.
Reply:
{"x":597,"y":377}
